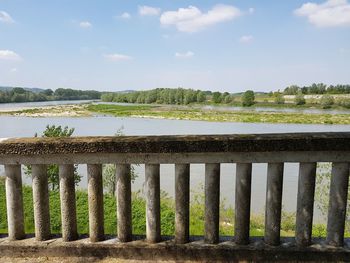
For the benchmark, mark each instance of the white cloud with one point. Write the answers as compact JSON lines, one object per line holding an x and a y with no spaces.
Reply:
{"x":9,"y":55}
{"x":149,"y":11}
{"x":187,"y":54}
{"x":125,"y":15}
{"x":85,"y":24}
{"x":192,"y":19}
{"x":332,"y":13}
{"x":116,"y":57}
{"x":246,"y":39}
{"x":6,"y":18}
{"x":13,"y":70}
{"x":251,"y":10}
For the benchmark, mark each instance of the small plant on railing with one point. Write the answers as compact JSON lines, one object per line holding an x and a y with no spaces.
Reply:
{"x":52,"y":170}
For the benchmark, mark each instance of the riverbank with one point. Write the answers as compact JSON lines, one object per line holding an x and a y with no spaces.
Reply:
{"x":212,"y":115}
{"x":77,"y":110}
{"x":180,"y":113}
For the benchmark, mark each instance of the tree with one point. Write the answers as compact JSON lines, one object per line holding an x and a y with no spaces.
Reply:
{"x":52,"y":170}
{"x":201,"y":97}
{"x":19,"y":90}
{"x":299,"y":99}
{"x":291,"y":90}
{"x":189,"y":96}
{"x":327,"y":101}
{"x":179,"y":96}
{"x":47,"y":92}
{"x":228,"y":99}
{"x":216,"y":97}
{"x":151,"y":97}
{"x":248,"y":98}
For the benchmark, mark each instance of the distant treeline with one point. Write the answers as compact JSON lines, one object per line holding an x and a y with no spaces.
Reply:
{"x":177,"y":96}
{"x":317,"y":89}
{"x":22,"y":95}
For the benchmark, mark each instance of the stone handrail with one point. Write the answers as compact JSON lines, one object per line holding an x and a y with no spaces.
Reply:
{"x":211,"y":150}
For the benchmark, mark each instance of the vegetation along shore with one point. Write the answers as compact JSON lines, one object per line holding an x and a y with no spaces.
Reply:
{"x":181,"y":113}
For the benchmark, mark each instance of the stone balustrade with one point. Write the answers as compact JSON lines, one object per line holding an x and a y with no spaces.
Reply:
{"x":275,"y":149}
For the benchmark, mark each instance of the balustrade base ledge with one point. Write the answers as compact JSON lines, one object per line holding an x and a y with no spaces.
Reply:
{"x":167,"y":250}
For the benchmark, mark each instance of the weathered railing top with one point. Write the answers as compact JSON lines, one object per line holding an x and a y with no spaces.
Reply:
{"x":211,"y":150}
{"x":331,"y":141}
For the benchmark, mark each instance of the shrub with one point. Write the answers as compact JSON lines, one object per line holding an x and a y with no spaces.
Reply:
{"x":327,"y":101}
{"x":344,"y":103}
{"x":279,"y":99}
{"x":248,"y":98}
{"x":228,"y":99}
{"x":217,"y":97}
{"x":299,"y":99}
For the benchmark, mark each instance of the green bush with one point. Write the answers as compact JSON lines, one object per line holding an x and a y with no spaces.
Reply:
{"x":279,"y":99}
{"x":248,"y":98}
{"x":299,"y":99}
{"x":327,"y":101}
{"x":344,"y":103}
{"x":52,"y":170}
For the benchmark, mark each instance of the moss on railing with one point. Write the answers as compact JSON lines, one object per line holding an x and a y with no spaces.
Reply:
{"x":337,"y":141}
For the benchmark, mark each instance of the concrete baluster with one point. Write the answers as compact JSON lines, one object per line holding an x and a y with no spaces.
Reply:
{"x":273,"y":203}
{"x":182,"y":203}
{"x":242,"y":202}
{"x":95,"y":196}
{"x":337,"y":204}
{"x":68,"y":207}
{"x":14,"y":202}
{"x":152,"y":202}
{"x":123,"y":181}
{"x":212,"y":202}
{"x":305,"y":203}
{"x":41,"y":202}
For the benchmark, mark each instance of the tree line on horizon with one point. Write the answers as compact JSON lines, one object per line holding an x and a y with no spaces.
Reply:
{"x":175,"y":96}
{"x":22,"y":95}
{"x":179,"y":96}
{"x":319,"y":88}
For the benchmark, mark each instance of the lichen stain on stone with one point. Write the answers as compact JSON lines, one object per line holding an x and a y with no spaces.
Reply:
{"x":179,"y":144}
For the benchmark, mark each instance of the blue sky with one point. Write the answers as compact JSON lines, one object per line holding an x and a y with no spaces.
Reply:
{"x":210,"y":45}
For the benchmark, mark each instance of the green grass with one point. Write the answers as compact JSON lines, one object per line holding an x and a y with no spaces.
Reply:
{"x":120,"y":109}
{"x":188,"y":113}
{"x":139,"y":215}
